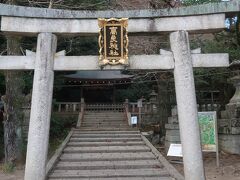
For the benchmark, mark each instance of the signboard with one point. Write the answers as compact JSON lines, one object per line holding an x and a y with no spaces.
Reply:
{"x":113,"y":41}
{"x":175,"y":150}
{"x":208,"y":130}
{"x":134,"y":120}
{"x":139,"y":103}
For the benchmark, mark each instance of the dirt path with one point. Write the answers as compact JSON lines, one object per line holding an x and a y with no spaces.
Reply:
{"x":229,"y":167}
{"x":18,"y":174}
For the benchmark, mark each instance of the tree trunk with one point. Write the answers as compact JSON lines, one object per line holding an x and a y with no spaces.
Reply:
{"x":13,"y":100}
{"x":238,"y":28}
{"x":163,"y":102}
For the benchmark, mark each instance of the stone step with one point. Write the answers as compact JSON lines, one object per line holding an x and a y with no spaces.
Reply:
{"x":110,"y":173}
{"x":105,"y":132}
{"x":107,"y":129}
{"x":94,"y":165}
{"x":106,"y":156}
{"x":104,"y":124}
{"x":104,"y":139}
{"x":91,"y":121}
{"x":95,"y":135}
{"x":123,"y":123}
{"x":106,"y":149}
{"x":104,"y":115}
{"x":117,"y":178}
{"x":112,"y":116}
{"x":103,"y":119}
{"x":90,"y":144}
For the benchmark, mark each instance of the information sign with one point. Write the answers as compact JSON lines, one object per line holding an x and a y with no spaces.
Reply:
{"x":208,"y":130}
{"x":134,"y":120}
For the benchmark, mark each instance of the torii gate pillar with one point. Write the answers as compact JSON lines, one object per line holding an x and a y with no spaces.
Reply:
{"x":39,"y":126}
{"x":187,"y":106}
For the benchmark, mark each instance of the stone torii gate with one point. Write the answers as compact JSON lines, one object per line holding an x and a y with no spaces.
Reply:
{"x":47,"y":24}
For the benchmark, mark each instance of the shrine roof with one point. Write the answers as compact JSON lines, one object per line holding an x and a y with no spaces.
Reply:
{"x":228,"y":8}
{"x":98,"y":75}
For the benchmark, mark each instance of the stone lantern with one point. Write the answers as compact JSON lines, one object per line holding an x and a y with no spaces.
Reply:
{"x":235,"y":67}
{"x":153,"y":96}
{"x":229,"y":124}
{"x":153,"y":99}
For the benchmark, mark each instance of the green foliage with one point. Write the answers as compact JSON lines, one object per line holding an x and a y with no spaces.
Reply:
{"x":134,"y":92}
{"x":83,"y":4}
{"x":225,"y":42}
{"x":217,"y":78}
{"x":61,"y":126}
{"x":8,"y":168}
{"x":79,"y":45}
{"x":195,"y":2}
{"x":28,"y":81}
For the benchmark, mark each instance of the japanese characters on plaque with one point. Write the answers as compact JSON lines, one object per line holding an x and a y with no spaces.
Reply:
{"x":113,"y":41}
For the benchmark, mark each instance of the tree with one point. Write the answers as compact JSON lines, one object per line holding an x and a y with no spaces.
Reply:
{"x":238,"y":28}
{"x":12,"y":99}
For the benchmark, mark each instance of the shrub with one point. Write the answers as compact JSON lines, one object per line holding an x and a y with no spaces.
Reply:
{"x":1,"y":141}
{"x":60,"y":126}
{"x":8,"y":167}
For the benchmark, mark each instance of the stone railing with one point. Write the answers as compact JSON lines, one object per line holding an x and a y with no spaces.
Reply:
{"x":67,"y":107}
{"x":209,"y":107}
{"x":147,"y":108}
{"x":104,"y":107}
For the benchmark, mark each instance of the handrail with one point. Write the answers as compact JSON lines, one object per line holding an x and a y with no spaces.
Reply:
{"x":67,"y":106}
{"x":127,"y":113}
{"x":81,"y":114}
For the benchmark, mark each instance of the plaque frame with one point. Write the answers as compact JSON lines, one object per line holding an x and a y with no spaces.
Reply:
{"x":104,"y":59}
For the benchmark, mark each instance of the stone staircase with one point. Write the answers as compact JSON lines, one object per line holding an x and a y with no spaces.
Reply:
{"x":105,"y":147}
{"x":105,"y":120}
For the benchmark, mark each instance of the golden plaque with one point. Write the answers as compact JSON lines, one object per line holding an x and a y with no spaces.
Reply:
{"x":113,"y":41}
